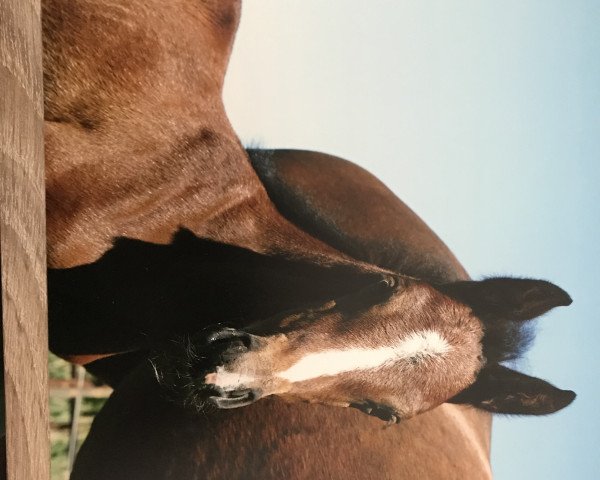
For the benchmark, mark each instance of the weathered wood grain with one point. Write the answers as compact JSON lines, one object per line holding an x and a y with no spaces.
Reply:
{"x":22,"y":241}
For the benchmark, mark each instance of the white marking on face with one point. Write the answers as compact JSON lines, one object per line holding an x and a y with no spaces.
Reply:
{"x":228,"y":381}
{"x":417,"y":346}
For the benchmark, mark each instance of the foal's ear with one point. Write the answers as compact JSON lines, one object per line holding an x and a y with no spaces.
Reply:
{"x":501,"y":390}
{"x":510,"y":298}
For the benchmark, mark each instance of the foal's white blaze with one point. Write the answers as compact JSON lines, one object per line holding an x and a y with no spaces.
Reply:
{"x":228,"y":381}
{"x":417,"y":346}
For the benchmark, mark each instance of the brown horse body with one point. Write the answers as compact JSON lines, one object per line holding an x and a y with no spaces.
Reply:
{"x":138,"y":146}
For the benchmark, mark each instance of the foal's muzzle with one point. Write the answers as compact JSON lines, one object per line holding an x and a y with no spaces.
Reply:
{"x":224,"y":346}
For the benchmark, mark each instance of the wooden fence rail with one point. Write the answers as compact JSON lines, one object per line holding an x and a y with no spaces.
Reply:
{"x":23,"y":242}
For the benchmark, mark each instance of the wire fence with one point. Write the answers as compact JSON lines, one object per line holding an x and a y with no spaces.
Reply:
{"x":75,"y":399}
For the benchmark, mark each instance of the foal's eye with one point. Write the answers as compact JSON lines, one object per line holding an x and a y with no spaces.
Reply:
{"x":383,"y":412}
{"x":372,"y":294}
{"x":390,"y":281}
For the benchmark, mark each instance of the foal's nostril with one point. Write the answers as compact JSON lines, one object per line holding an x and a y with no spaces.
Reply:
{"x":235,"y":399}
{"x":230,"y":335}
{"x":214,"y":390}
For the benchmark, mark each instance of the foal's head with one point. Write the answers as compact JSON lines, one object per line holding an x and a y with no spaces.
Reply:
{"x":394,"y":349}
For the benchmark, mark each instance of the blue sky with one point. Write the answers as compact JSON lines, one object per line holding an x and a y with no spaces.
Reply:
{"x":485,"y":118}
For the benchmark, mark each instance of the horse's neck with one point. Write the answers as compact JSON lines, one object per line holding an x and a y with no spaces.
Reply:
{"x":203,"y":182}
{"x":144,"y":147}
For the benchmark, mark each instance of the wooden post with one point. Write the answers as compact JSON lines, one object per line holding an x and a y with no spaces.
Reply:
{"x":23,"y":241}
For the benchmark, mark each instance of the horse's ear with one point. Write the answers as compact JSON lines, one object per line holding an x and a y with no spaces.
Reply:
{"x":509,"y":298}
{"x":501,"y":390}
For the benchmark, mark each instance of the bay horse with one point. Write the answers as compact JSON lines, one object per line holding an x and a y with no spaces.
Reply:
{"x":198,"y":277}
